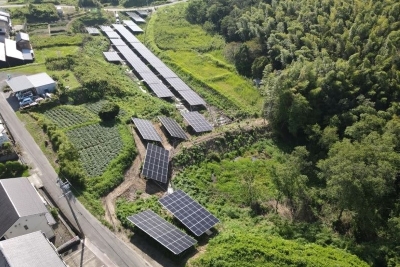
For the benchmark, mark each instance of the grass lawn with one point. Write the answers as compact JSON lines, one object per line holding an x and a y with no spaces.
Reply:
{"x":40,"y":137}
{"x":56,"y":51}
{"x":198,"y":55}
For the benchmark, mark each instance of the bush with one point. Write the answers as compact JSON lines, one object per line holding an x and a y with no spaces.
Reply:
{"x":12,"y":169}
{"x":109,"y":111}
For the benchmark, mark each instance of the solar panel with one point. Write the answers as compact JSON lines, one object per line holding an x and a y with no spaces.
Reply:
{"x":132,"y":26}
{"x":112,"y":56}
{"x":166,"y":72}
{"x":178,"y":84}
{"x":112,"y":35}
{"x":142,"y":13}
{"x":106,"y":29}
{"x":92,"y":31}
{"x":146,"y":129}
{"x":160,"y":90}
{"x":156,"y":162}
{"x":117,"y":42}
{"x":193,"y":215}
{"x":173,"y":128}
{"x":150,"y":78}
{"x":135,"y":17}
{"x":140,"y":47}
{"x":197,"y":121}
{"x":192,"y":98}
{"x":128,"y":22}
{"x":133,"y":60}
{"x":125,"y":33}
{"x":162,"y":231}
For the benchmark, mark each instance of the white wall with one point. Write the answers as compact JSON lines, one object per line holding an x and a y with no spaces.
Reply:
{"x":50,"y":87}
{"x":34,"y":223}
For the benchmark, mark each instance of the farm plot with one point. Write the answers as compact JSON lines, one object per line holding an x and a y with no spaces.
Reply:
{"x":65,"y":116}
{"x":98,"y":145}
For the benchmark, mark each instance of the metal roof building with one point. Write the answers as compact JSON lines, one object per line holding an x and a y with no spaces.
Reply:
{"x":31,"y":250}
{"x":20,"y":83}
{"x":20,"y":200}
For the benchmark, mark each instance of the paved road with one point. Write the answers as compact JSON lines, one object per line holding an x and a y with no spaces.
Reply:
{"x":100,"y":236}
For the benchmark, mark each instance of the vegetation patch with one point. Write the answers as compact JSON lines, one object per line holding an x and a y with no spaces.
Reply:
{"x":190,"y":51}
{"x":68,"y":116}
{"x":250,"y":249}
{"x":98,"y":145}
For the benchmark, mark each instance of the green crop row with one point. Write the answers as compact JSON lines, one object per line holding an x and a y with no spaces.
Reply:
{"x":66,"y":117}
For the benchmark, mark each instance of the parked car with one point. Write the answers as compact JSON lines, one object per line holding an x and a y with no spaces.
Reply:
{"x":25,"y":102}
{"x":23,"y":95}
{"x":117,"y":21}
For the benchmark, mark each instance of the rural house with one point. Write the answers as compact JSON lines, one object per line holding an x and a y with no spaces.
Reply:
{"x":22,"y":210}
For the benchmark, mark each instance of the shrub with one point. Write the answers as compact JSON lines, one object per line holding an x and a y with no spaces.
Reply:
{"x":109,"y":111}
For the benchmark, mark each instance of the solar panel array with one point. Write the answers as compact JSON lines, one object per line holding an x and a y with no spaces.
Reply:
{"x":118,"y":42}
{"x":132,"y":25}
{"x":106,"y":29}
{"x":166,"y":72}
{"x":162,"y":231}
{"x":112,"y":56}
{"x":192,"y":98}
{"x":92,"y":30}
{"x":160,"y":90}
{"x":112,"y":35}
{"x":125,"y":33}
{"x":197,"y":121}
{"x":193,"y":215}
{"x":142,"y":13}
{"x":178,"y":84}
{"x":173,"y":128}
{"x":150,"y":77}
{"x":135,"y":17}
{"x":156,"y":163}
{"x":133,"y":60}
{"x":146,"y":129}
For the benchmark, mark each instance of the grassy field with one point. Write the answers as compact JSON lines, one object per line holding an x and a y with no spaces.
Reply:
{"x":197,"y":57}
{"x":98,"y":152}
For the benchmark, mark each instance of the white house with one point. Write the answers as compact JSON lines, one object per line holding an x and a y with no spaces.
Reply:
{"x":30,"y":250}
{"x":22,"y":210}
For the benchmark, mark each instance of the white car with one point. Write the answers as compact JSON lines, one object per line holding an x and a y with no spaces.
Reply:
{"x":25,"y":102}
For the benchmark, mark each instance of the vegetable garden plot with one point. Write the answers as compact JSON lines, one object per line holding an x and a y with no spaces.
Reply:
{"x":64,"y":117}
{"x":98,"y":145}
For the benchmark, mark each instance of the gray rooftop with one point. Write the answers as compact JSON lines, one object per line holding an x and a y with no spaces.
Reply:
{"x":19,"y":83}
{"x":18,"y":198}
{"x":40,"y":79}
{"x":31,"y":250}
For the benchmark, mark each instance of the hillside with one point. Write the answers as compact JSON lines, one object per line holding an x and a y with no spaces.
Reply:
{"x":331,"y":77}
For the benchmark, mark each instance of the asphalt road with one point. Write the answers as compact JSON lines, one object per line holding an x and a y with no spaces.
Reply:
{"x":100,"y":236}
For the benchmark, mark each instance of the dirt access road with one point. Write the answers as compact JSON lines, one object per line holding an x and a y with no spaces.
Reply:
{"x":134,"y":187}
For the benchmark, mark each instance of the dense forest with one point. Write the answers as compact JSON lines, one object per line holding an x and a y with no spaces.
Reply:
{"x":331,"y":80}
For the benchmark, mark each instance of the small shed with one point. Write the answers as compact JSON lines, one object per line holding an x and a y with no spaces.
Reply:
{"x":42,"y":82}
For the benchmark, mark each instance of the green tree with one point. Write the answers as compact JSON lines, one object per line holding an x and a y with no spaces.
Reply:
{"x":291,"y":180}
{"x":359,"y":177}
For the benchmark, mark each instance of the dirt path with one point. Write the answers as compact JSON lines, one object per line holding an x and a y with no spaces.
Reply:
{"x":245,"y":124}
